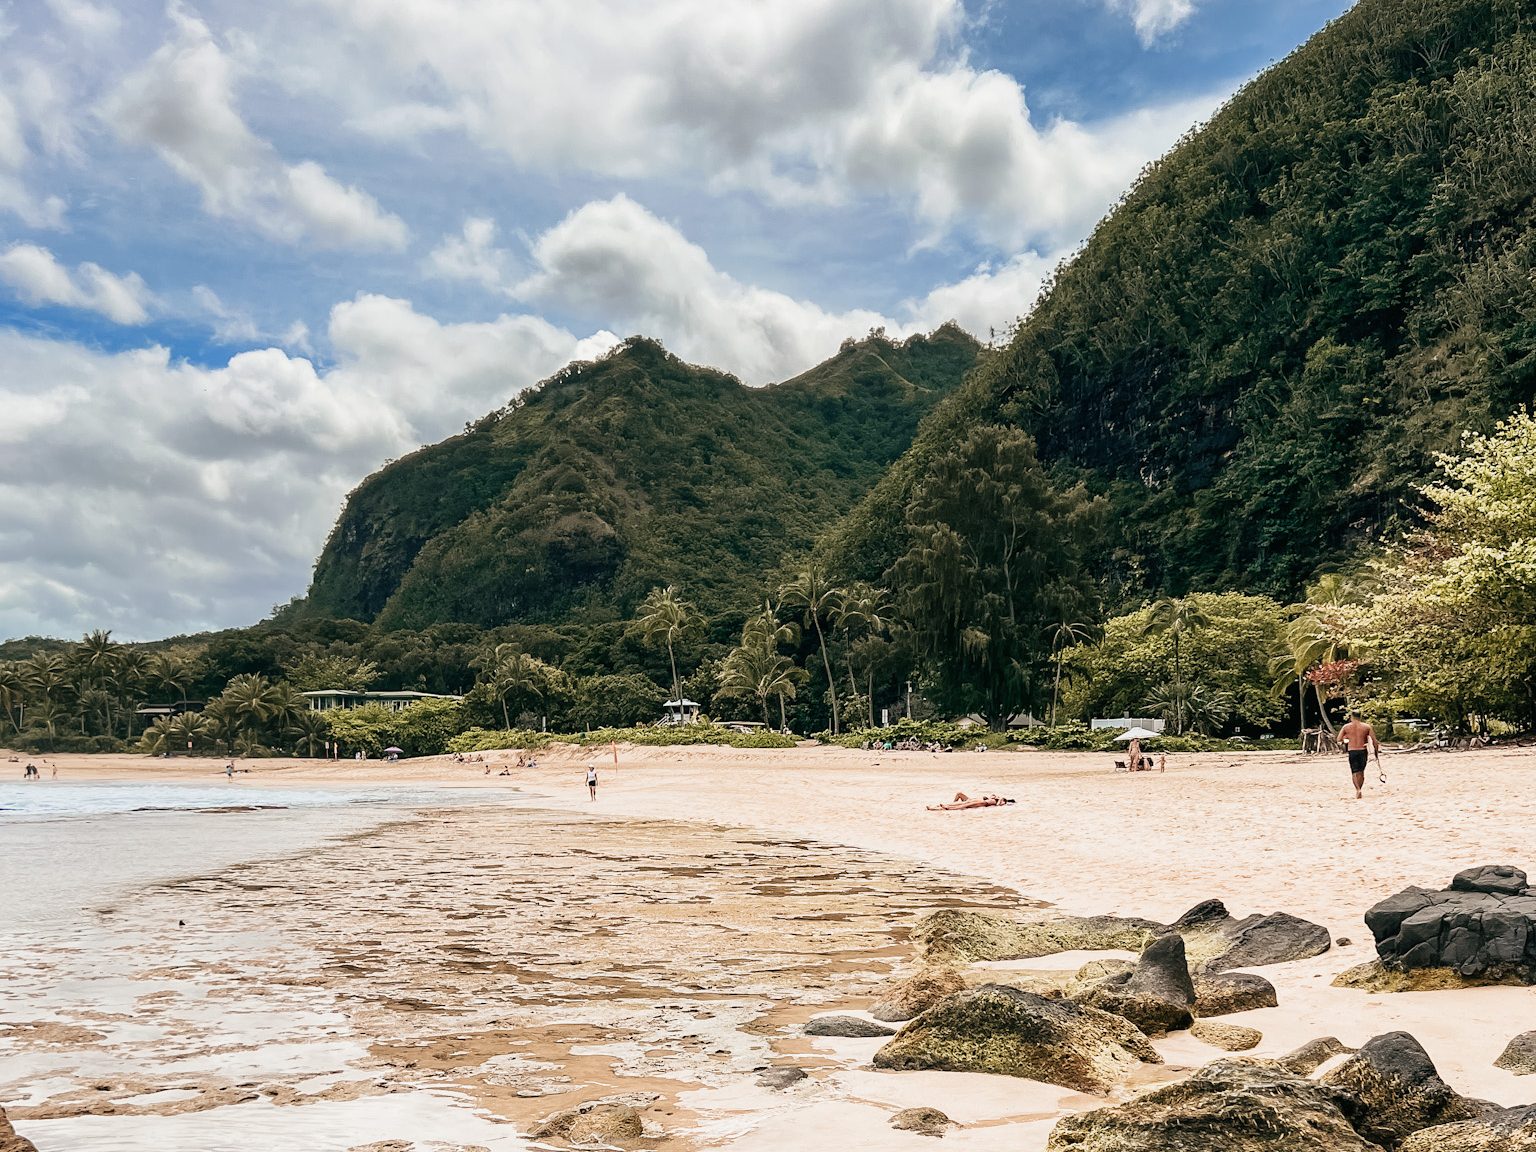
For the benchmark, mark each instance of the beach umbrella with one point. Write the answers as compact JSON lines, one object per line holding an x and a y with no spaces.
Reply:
{"x":1138,"y":734}
{"x":396,"y":751}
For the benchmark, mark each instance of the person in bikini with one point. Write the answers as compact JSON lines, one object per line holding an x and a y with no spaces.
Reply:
{"x":962,"y":803}
{"x":1359,"y":740}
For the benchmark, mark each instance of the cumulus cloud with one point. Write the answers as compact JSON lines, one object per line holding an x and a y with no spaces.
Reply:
{"x":1154,"y":18}
{"x":819,"y":100}
{"x":181,"y":104}
{"x":83,"y":18}
{"x":160,"y":496}
{"x":37,"y":277}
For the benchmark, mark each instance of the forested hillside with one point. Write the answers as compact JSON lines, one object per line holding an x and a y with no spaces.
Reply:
{"x":618,"y":476}
{"x":1257,"y":356}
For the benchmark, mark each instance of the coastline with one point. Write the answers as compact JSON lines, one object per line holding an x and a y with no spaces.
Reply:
{"x":1263,"y":831}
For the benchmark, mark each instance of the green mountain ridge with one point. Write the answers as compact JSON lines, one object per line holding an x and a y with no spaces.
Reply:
{"x":1261,"y":350}
{"x":626,"y":473}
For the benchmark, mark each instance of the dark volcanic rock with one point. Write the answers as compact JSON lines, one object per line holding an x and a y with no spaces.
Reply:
{"x":9,"y":1141}
{"x":852,"y":1026}
{"x":1009,"y":1032}
{"x":781,"y":1078}
{"x":1399,"y":1090}
{"x":1158,"y":995}
{"x":1230,"y":1106}
{"x":1482,"y":926}
{"x":1495,"y":879}
{"x":1273,"y":939}
{"x":1507,"y":1130}
{"x":1519,"y":1055}
{"x":1224,"y":993}
{"x":1205,"y":912}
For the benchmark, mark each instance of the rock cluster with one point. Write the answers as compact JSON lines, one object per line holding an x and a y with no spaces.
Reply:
{"x":1482,"y":926}
{"x":1216,"y":940}
{"x":1387,"y":1095}
{"x":1009,"y":1032}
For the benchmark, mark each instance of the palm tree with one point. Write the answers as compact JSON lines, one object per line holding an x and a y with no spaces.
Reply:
{"x":254,"y":702}
{"x":665,"y":616}
{"x":172,"y":672}
{"x":1317,"y":634}
{"x":1064,"y":635}
{"x":866,"y":610}
{"x":1204,"y":710}
{"x":515,"y":671}
{"x":13,"y":694}
{"x":756,"y":668}
{"x":817,"y":597}
{"x":173,"y":734}
{"x":222,"y":722}
{"x":312,"y":727}
{"x":1176,"y":618}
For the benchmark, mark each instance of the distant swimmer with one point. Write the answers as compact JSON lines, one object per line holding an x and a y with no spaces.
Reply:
{"x":1360,"y":740}
{"x":963,"y":803}
{"x":592,"y":780}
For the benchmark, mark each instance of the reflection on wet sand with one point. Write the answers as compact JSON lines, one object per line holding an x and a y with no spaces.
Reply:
{"x":520,"y":961}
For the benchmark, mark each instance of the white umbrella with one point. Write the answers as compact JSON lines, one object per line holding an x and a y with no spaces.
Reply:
{"x":1138,"y":734}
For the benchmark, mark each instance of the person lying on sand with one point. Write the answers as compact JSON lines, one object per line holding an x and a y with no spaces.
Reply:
{"x":962,"y":803}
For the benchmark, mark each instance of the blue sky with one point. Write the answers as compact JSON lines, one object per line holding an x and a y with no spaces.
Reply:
{"x":250,"y":252}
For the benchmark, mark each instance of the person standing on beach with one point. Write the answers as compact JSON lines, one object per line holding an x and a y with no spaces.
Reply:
{"x":1359,"y":740}
{"x":592,"y":780}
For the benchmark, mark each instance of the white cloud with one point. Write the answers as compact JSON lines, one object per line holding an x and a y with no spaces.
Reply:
{"x":83,"y":18}
{"x":28,"y":104}
{"x":1154,"y":18}
{"x":160,"y":496}
{"x":38,"y":278}
{"x":471,"y":256}
{"x":799,"y":100}
{"x":181,"y":104}
{"x":988,"y":302}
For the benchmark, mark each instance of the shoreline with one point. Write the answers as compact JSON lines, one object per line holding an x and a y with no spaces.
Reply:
{"x":1263,"y":831}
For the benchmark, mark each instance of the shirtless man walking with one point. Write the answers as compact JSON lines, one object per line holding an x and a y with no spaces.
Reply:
{"x":1360,"y":740}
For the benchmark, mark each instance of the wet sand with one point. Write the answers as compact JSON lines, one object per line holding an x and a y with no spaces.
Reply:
{"x":665,"y":943}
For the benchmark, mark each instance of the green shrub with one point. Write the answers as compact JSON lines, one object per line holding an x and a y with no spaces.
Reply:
{"x":489,"y":740}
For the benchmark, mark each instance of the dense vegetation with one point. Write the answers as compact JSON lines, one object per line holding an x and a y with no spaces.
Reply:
{"x":1257,"y":355}
{"x":622,"y":475}
{"x":1261,"y":450}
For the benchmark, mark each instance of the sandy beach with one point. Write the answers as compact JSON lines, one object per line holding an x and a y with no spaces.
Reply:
{"x":444,"y":975}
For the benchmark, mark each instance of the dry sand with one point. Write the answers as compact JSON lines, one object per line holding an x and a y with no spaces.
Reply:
{"x":668,"y":939}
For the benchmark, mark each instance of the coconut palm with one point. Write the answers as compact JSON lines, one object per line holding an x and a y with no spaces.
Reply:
{"x":665,"y":616}
{"x":819,"y":599}
{"x":863,"y":612}
{"x":515,"y":673}
{"x":757,"y":669}
{"x":313,"y":729}
{"x":1064,"y":634}
{"x":1317,"y":633}
{"x":1179,"y":619}
{"x":13,"y":695}
{"x":172,"y":673}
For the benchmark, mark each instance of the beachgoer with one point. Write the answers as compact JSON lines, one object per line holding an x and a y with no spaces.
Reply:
{"x":1162,"y":763}
{"x":962,"y":803}
{"x":229,"y":770}
{"x":592,"y":780}
{"x":1359,"y":740}
{"x":1134,"y":751}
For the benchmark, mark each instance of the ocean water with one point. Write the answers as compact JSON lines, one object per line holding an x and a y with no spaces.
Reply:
{"x":89,"y":918}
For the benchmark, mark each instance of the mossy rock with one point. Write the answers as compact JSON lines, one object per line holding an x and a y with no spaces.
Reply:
{"x":1224,"y":993}
{"x":1313,"y":1055}
{"x":1227,"y":1106}
{"x":954,"y":936}
{"x":1007,"y":1032}
{"x":1227,"y":1037}
{"x":591,"y":1124}
{"x":1519,"y":1055}
{"x":914,"y":994}
{"x":923,"y":1121}
{"x":1374,"y":976}
{"x":1509,"y":1130}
